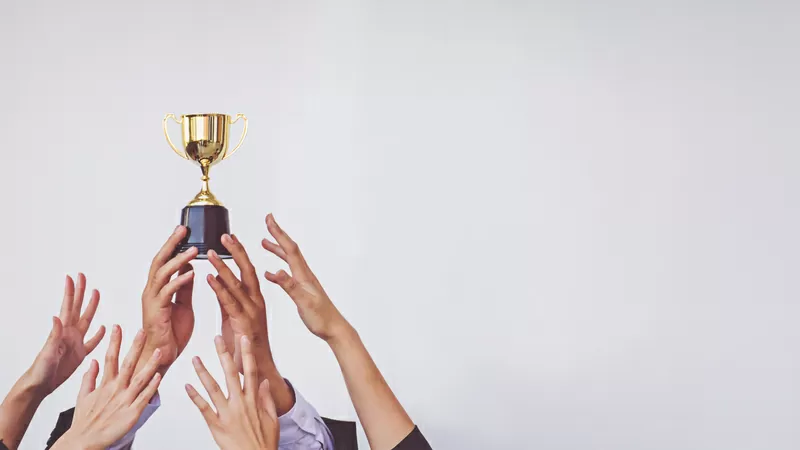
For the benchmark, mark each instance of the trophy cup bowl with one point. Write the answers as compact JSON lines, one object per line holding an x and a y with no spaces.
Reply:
{"x":205,"y":140}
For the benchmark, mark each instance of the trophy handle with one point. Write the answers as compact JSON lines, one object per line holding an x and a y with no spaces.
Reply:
{"x":166,"y":133}
{"x":244,"y":133}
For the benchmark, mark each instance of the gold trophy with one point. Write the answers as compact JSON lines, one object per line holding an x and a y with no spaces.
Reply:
{"x":205,"y":141}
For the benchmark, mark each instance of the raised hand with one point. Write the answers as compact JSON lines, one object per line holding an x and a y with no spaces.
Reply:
{"x":384,"y":420}
{"x":167,"y":324}
{"x":247,"y":418}
{"x":61,"y":355}
{"x":241,"y":303}
{"x":316,"y":309}
{"x":105,"y":413}
{"x":244,"y":313}
{"x":65,"y":348}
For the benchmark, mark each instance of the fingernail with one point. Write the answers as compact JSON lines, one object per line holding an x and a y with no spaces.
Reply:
{"x":140,"y":334}
{"x":192,"y":249}
{"x":235,"y":239}
{"x":188,"y":388}
{"x":217,"y":339}
{"x":245,"y":340}
{"x":157,"y":353}
{"x":196,"y":360}
{"x":117,"y":329}
{"x":227,"y":239}
{"x":212,"y":254}
{"x":157,"y":376}
{"x":178,"y":228}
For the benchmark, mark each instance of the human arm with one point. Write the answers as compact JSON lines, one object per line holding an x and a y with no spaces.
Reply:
{"x":105,"y":413}
{"x":60,"y":356}
{"x":244,"y":313}
{"x":385,"y":421}
{"x":168,"y":324}
{"x":247,"y":418}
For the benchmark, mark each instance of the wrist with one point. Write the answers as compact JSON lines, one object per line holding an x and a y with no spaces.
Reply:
{"x":147,"y":352}
{"x":29,"y":390}
{"x":343,"y":336}
{"x":74,"y":440}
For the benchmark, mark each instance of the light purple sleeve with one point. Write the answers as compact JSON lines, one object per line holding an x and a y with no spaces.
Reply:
{"x":127,"y":440}
{"x":302,"y":427}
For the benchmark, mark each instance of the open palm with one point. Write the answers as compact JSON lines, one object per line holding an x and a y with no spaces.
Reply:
{"x":66,"y":349}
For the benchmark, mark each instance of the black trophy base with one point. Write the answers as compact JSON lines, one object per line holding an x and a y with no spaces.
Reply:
{"x":205,"y":227}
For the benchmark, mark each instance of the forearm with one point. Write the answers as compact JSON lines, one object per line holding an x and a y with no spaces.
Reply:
{"x":384,"y":420}
{"x":281,"y":392}
{"x":17,"y":410}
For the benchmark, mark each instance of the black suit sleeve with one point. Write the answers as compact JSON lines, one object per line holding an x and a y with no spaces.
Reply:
{"x":414,"y":441}
{"x":344,"y":434}
{"x":63,"y":424}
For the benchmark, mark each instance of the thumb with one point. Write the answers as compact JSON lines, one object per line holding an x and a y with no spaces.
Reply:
{"x":265,"y":399}
{"x":54,"y":345}
{"x":184,"y":294}
{"x":89,"y":381}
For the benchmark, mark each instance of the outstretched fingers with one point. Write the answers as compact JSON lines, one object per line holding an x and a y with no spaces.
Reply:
{"x":206,"y":410}
{"x":291,"y":251}
{"x":111,"y":365}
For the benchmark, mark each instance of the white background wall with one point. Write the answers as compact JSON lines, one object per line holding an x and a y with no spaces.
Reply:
{"x":556,"y":225}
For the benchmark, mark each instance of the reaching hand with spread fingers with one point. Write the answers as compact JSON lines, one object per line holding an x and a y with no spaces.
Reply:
{"x":316,"y":309}
{"x":167,"y":324}
{"x":244,"y":313}
{"x":61,"y":355}
{"x":247,"y":418}
{"x":385,"y":422}
{"x":65,"y":349}
{"x":106,"y":412}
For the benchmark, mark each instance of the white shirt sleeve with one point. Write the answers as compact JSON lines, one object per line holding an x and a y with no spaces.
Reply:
{"x":302,"y":427}
{"x":127,"y":440}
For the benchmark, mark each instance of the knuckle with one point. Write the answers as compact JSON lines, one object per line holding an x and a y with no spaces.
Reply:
{"x":137,"y":384}
{"x":292,"y":247}
{"x":233,"y":304}
{"x":215,"y":389}
{"x":158,"y":277}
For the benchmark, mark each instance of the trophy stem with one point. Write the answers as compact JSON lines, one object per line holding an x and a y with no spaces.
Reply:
{"x":205,"y":197}
{"x":204,"y":189}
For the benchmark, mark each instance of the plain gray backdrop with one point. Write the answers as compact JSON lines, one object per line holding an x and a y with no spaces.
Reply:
{"x":556,"y":225}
